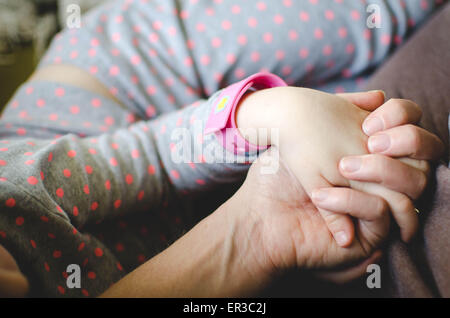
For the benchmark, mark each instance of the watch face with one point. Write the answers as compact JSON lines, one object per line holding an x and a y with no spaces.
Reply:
{"x":222,"y":104}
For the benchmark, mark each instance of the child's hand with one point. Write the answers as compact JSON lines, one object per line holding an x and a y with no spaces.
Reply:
{"x":316,"y":131}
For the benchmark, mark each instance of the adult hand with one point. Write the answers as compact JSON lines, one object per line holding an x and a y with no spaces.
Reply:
{"x":392,"y":135}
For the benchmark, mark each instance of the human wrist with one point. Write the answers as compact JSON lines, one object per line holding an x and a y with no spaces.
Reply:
{"x":260,"y":111}
{"x":272,"y":108}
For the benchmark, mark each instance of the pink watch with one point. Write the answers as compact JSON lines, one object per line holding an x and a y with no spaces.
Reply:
{"x":222,"y":120}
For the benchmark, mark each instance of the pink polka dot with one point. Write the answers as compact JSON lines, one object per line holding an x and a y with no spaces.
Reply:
{"x":286,"y":70}
{"x":304,"y":16}
{"x":231,"y":58}
{"x":216,"y":42}
{"x":20,"y":220}
{"x":135,"y":153}
{"x":95,"y":42}
{"x":350,"y":48}
{"x":293,"y":35}
{"x":86,"y":189}
{"x":261,"y":6}
{"x":226,"y":25}
{"x":109,"y":120}
{"x":188,"y":61}
{"x":135,"y":60}
{"x":40,"y":102}
{"x":175,"y":174}
{"x":60,"y":192}
{"x":117,"y":203}
{"x":32,"y":180}
{"x":50,"y":157}
{"x":153,"y":37}
{"x":29,"y":162}
{"x":10,"y":202}
{"x":75,"y":211}
{"x":113,"y":161}
{"x":318,"y":33}
{"x":95,"y":102}
{"x":53,"y":117}
{"x":268,"y":37}
{"x":92,"y":151}
{"x":21,"y":131}
{"x":252,"y":22}
{"x":60,"y":92}
{"x":114,"y":70}
{"x":386,"y":39}
{"x":329,"y":15}
{"x":33,"y":243}
{"x":200,"y":181}
{"x":342,"y":32}
{"x":3,"y":149}
{"x":235,"y":9}
{"x":98,"y":252}
{"x":151,"y":90}
{"x":200,"y":27}
{"x":327,"y":50}
{"x":150,"y":111}
{"x":94,"y":206}
{"x":74,"y":109}
{"x":57,"y":254}
{"x":205,"y":60}
{"x":279,"y":54}
{"x":355,"y":15}
{"x":88,"y":169}
{"x":242,"y":39}
{"x":108,"y":185}
{"x":29,"y":90}
{"x":42,"y":175}
{"x":278,"y":19}
{"x":140,"y":195}
{"x":255,"y":56}
{"x":129,"y":179}
{"x":71,"y":153}
{"x":151,"y":169}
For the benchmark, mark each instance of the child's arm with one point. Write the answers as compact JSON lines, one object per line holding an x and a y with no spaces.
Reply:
{"x":308,"y":43}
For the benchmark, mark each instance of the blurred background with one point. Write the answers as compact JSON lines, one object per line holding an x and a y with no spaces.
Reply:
{"x":26,"y":29}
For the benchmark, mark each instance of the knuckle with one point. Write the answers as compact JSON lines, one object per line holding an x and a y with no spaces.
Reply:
{"x":421,"y":184}
{"x":400,"y":109}
{"x":376,"y":166}
{"x":381,"y":208}
{"x":334,"y":221}
{"x":404,"y":204}
{"x":414,"y":137}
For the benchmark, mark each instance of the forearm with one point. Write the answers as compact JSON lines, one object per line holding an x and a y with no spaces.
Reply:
{"x":208,"y":261}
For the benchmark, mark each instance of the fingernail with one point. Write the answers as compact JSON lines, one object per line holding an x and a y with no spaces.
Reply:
{"x":351,"y":164}
{"x":379,"y":143}
{"x":320,"y":195}
{"x":372,"y":126}
{"x":341,"y":238}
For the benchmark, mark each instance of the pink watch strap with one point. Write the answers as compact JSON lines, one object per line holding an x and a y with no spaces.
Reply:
{"x":222,"y":119}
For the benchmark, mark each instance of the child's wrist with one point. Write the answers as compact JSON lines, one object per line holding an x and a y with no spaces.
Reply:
{"x":263,"y":110}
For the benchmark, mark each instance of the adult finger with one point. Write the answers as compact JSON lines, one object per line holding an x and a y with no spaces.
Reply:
{"x":341,"y":226}
{"x":385,"y":171}
{"x":394,"y":112}
{"x":407,"y":141}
